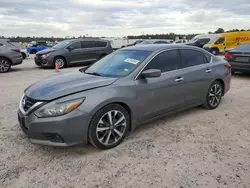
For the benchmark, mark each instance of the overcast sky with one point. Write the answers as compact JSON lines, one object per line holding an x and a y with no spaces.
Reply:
{"x":120,"y":17}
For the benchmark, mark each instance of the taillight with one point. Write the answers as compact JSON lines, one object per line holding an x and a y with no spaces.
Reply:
{"x":228,"y":56}
{"x":17,"y":50}
{"x":228,"y":66}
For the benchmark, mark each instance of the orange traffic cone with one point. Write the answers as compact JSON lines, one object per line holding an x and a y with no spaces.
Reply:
{"x":57,"y":67}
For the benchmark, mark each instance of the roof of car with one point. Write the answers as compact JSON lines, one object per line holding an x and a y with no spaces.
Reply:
{"x":156,"y":47}
{"x":4,"y":40}
{"x":88,"y":39}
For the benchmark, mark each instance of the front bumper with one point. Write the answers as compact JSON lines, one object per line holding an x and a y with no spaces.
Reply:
{"x":67,"y":130}
{"x":44,"y":62}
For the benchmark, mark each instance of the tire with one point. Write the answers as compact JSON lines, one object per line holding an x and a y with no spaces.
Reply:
{"x":214,"y":51}
{"x":5,"y":65}
{"x":24,"y":55}
{"x":61,"y":61}
{"x":213,"y":96}
{"x":109,"y":135}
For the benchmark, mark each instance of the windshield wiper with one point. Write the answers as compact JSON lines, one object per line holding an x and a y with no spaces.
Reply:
{"x":93,"y":73}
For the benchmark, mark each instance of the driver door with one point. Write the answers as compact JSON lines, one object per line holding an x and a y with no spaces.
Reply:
{"x":159,"y":95}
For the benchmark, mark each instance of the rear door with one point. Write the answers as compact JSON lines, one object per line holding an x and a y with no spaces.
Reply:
{"x":197,"y":74}
{"x":159,"y":95}
{"x":89,"y":50}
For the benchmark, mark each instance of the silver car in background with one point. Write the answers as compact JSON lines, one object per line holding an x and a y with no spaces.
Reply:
{"x":128,"y":87}
{"x":10,"y":55}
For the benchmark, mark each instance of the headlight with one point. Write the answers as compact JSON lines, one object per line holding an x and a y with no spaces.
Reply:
{"x":45,"y":55}
{"x":58,"y":108}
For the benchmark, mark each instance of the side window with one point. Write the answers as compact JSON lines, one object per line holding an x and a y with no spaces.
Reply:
{"x":192,"y":58}
{"x":1,"y":44}
{"x":75,"y":45}
{"x":220,"y":40}
{"x":88,"y":44}
{"x":208,"y":58}
{"x":204,"y":41}
{"x":100,"y":44}
{"x":165,"y":61}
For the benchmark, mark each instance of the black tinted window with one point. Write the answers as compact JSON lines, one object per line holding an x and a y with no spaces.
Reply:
{"x":192,"y":58}
{"x":75,"y":45}
{"x":1,"y":44}
{"x":220,"y":40}
{"x":165,"y":61}
{"x":100,"y":44}
{"x":88,"y":44}
{"x":204,"y":41}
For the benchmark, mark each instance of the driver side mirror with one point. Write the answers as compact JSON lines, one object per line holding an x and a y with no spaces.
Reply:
{"x":151,"y":73}
{"x":70,"y":48}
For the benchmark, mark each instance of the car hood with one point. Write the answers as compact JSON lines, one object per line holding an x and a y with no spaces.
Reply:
{"x":65,"y":84}
{"x":45,"y":51}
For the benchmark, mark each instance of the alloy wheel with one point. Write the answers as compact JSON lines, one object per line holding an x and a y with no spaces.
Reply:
{"x":215,"y":95}
{"x":60,"y":62}
{"x":4,"y":65}
{"x":111,"y":127}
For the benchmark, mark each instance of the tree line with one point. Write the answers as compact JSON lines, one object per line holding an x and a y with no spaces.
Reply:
{"x":171,"y":36}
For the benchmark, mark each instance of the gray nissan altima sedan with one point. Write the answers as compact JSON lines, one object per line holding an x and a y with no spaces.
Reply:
{"x":102,"y":103}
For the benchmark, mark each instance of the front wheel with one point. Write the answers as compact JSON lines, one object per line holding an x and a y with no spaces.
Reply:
{"x":109,"y":126}
{"x":60,"y":61}
{"x":214,"y":95}
{"x":5,"y":65}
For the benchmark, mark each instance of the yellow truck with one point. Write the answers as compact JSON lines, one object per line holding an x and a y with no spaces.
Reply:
{"x":227,"y":41}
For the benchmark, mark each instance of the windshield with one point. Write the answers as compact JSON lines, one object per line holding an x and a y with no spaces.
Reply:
{"x":118,"y":64}
{"x":193,"y":40}
{"x":146,"y":42}
{"x":62,"y":44}
{"x":244,"y":47}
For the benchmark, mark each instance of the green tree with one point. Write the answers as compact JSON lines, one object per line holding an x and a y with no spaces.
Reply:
{"x":219,"y":30}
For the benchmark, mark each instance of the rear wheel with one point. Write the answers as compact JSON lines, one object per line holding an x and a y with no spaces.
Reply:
{"x":214,"y":95}
{"x":109,"y":126}
{"x":5,"y":65}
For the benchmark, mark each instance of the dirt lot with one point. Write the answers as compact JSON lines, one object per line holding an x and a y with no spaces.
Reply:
{"x":196,"y":148}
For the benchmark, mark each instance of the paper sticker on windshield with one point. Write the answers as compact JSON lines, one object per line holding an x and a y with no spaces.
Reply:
{"x":133,"y":61}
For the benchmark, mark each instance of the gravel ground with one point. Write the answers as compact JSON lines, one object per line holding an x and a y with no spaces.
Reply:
{"x":195,"y":148}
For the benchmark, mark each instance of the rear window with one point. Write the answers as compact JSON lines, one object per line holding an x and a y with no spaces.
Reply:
{"x":243,"y":47}
{"x":208,"y":57}
{"x":10,"y":43}
{"x":100,"y":44}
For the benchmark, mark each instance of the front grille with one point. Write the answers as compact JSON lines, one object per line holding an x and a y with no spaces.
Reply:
{"x":28,"y":103}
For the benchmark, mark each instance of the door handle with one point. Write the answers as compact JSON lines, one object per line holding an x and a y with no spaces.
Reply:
{"x":179,"y":79}
{"x":208,"y":70}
